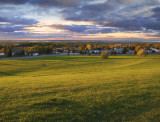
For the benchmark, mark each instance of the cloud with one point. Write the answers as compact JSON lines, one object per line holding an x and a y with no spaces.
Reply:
{"x":75,"y":28}
{"x":138,"y":24}
{"x":18,"y":20}
{"x":70,"y":17}
{"x":43,"y":3}
{"x":11,"y":29}
{"x":2,"y":19}
{"x":86,"y":29}
{"x":14,"y":24}
{"x":156,"y":14}
{"x":156,"y":9}
{"x":13,"y":1}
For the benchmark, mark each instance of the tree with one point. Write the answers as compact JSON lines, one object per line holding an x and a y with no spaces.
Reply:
{"x":134,"y":52}
{"x":73,"y":50}
{"x":121,"y":45}
{"x":22,"y":52}
{"x":113,"y":52}
{"x":137,"y":48}
{"x":69,"y":50}
{"x":148,"y":45}
{"x":89,"y":47}
{"x":47,"y":49}
{"x":4,"y":50}
{"x":124,"y":50}
{"x":104,"y":55}
{"x":142,"y":52}
{"x":9,"y":52}
{"x":51,"y":48}
{"x":80,"y":49}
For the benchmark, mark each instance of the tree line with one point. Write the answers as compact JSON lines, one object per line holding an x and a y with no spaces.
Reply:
{"x":82,"y":47}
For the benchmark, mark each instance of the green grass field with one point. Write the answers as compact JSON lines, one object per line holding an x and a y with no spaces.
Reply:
{"x":80,"y":88}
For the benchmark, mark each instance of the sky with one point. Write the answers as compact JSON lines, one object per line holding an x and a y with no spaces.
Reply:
{"x":80,"y":20}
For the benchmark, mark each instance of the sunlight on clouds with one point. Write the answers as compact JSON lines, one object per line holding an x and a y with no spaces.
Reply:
{"x":44,"y":29}
{"x":96,"y":1}
{"x":119,"y":35}
{"x":47,"y":26}
{"x":64,"y":22}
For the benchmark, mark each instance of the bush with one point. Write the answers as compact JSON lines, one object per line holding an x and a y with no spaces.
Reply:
{"x":158,"y":53}
{"x":142,"y":52}
{"x":104,"y":55}
{"x":134,"y":53}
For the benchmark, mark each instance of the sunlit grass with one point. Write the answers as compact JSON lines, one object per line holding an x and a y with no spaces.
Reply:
{"x":80,"y":88}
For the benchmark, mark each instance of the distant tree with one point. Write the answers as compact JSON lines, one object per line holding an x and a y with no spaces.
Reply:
{"x":81,"y":52}
{"x":9,"y":52}
{"x":158,"y":53}
{"x":22,"y":52}
{"x":111,"y":46}
{"x":95,"y":46}
{"x":124,"y":50}
{"x":148,"y":45}
{"x":106,"y":46}
{"x":113,"y":52}
{"x":142,"y":52}
{"x":73,"y":50}
{"x":104,"y":55}
{"x":47,"y":50}
{"x":4,"y":50}
{"x":81,"y":49}
{"x":156,"y":45}
{"x":51,"y":48}
{"x":134,"y":52}
{"x":121,"y":45}
{"x":89,"y":47}
{"x":137,"y":48}
{"x":68,"y":50}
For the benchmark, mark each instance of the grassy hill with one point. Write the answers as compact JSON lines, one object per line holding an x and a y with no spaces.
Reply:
{"x":80,"y":88}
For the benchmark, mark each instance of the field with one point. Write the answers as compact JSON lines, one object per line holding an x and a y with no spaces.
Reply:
{"x":80,"y":88}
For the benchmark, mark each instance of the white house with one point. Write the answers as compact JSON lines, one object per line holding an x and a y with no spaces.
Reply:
{"x":156,"y":50}
{"x":2,"y":54}
{"x":35,"y":54}
{"x":95,"y":51}
{"x":118,"y":50}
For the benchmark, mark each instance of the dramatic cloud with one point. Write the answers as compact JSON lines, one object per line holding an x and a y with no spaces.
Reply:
{"x":42,"y":2}
{"x":80,"y":19}
{"x":11,"y":29}
{"x":18,"y":21}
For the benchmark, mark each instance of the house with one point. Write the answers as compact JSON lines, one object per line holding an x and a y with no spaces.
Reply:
{"x":118,"y":50}
{"x":149,"y":51}
{"x":35,"y":54}
{"x":95,"y":51}
{"x":76,"y":49}
{"x":2,"y":54}
{"x":130,"y":52}
{"x":154,"y":49}
{"x":65,"y":51}
{"x":15,"y":50}
{"x":103,"y":50}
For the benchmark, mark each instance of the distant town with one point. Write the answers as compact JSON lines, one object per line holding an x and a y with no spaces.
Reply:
{"x":75,"y":48}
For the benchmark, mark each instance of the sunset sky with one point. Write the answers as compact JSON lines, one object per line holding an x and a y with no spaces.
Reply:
{"x":80,"y":19}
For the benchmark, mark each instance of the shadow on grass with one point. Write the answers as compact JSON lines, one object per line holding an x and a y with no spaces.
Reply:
{"x":115,"y":110}
{"x":54,"y":102}
{"x":5,"y":74}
